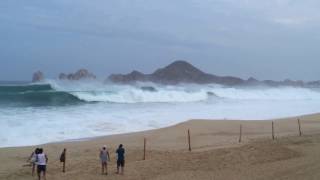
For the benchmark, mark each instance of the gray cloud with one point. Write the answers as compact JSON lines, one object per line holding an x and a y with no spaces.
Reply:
{"x":236,"y":37}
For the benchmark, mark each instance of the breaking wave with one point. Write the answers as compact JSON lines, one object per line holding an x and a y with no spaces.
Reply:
{"x":56,"y":93}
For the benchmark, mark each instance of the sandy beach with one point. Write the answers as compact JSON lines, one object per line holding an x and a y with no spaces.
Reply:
{"x":208,"y":90}
{"x":216,"y":153}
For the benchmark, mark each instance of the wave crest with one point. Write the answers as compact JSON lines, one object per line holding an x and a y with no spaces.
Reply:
{"x":57,"y":93}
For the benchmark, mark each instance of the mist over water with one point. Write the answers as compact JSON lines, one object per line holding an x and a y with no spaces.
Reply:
{"x":35,"y":114}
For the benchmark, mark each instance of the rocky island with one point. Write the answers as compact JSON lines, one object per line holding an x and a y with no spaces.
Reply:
{"x":37,"y":77}
{"x":176,"y":73}
{"x":79,"y":75}
{"x":184,"y":72}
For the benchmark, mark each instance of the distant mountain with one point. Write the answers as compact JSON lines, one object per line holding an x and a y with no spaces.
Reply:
{"x":184,"y":72}
{"x":179,"y":72}
{"x":175,"y":73}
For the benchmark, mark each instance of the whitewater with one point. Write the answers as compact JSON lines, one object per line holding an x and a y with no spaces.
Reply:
{"x":32,"y":114}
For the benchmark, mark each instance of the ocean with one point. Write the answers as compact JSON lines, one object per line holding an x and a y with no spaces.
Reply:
{"x":32,"y":114}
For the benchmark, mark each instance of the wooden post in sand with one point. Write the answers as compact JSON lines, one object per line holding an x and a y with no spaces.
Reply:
{"x":63,"y":158}
{"x":272,"y":130}
{"x":144,"y":148}
{"x":300,"y":133}
{"x":240,"y":135}
{"x":189,"y":140}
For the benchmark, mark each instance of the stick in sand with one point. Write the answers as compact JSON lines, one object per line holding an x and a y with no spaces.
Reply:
{"x":189,"y":141}
{"x":300,"y":133}
{"x":144,"y":148}
{"x":63,"y":159}
{"x":240,"y":135}
{"x":272,"y":130}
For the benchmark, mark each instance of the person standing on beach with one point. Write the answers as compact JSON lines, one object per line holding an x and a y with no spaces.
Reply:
{"x":120,"y":161}
{"x":41,"y":162}
{"x":32,"y":159}
{"x":104,"y":157}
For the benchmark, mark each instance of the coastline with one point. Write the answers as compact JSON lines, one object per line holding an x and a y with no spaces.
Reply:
{"x":206,"y":136}
{"x":84,"y":139}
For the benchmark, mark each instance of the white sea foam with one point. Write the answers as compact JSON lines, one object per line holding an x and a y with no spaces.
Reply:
{"x":133,"y":109}
{"x":182,"y":93}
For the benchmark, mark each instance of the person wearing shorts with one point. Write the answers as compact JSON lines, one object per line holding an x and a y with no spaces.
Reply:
{"x":104,"y":158}
{"x":121,"y":160}
{"x":41,"y":161}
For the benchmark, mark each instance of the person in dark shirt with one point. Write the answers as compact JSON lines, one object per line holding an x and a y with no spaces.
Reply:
{"x":120,"y":161}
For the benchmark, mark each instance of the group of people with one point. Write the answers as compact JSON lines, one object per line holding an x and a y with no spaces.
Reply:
{"x":105,"y":158}
{"x":39,"y":159}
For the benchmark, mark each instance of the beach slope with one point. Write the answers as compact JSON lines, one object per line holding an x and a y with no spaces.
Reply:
{"x":216,"y":153}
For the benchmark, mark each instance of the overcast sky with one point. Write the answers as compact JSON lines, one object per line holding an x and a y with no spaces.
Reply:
{"x":266,"y":39}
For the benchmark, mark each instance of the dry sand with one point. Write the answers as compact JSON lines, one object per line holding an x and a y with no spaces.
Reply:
{"x":216,"y":153}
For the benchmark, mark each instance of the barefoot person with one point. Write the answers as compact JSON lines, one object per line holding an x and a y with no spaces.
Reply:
{"x":120,"y":161}
{"x":104,"y":157}
{"x":41,"y":162}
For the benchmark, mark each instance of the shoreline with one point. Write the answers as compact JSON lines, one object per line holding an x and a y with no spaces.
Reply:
{"x":84,"y":139}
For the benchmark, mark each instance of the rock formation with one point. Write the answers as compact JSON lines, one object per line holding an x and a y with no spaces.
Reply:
{"x":63,"y":76}
{"x":184,"y":72}
{"x":81,"y":74}
{"x":175,"y":73}
{"x":313,"y":84}
{"x":286,"y":82}
{"x":134,"y":76}
{"x":178,"y":72}
{"x":37,"y":76}
{"x":253,"y":81}
{"x":289,"y":82}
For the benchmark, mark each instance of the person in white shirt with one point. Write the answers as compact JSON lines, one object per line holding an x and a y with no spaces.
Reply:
{"x":32,"y":159}
{"x":41,"y":162}
{"x":104,"y":157}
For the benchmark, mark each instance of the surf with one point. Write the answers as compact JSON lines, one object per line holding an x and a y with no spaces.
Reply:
{"x":61,"y":93}
{"x":35,"y":95}
{"x":57,"y":110}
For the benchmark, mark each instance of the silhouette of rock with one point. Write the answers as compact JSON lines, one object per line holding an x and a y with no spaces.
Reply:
{"x":63,"y":76}
{"x":134,"y":76}
{"x":179,"y":72}
{"x":184,"y":72}
{"x":253,"y":82}
{"x":37,"y":76}
{"x":286,"y":82}
{"x":313,"y":84}
{"x":289,"y":82}
{"x":175,"y":73}
{"x":79,"y":75}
